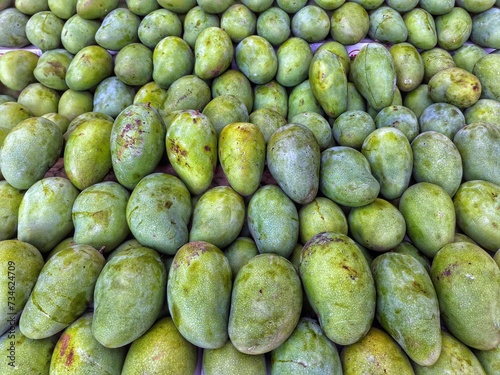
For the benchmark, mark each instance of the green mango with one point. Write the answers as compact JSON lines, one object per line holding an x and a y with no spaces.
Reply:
{"x":17,"y":69}
{"x":24,"y":355}
{"x":378,"y":226}
{"x":466,"y":56}
{"x":213,"y":53}
{"x":256,"y":59}
{"x":224,"y":110}
{"x":78,"y":33}
{"x":189,"y":92}
{"x":408,"y":65}
{"x":273,"y":24}
{"x":10,"y":199}
{"x":163,"y":201}
{"x":233,"y":82}
{"x":436,"y":159}
{"x":239,"y":22}
{"x":151,"y":94}
{"x":399,"y":117}
{"x":228,"y":360}
{"x":311,"y":23}
{"x":74,"y":103}
{"x":475,"y":6}
{"x":268,"y":121}
{"x":63,"y":10}
{"x":91,"y":65}
{"x":349,"y":23}
{"x":195,"y":21}
{"x":83,"y":117}
{"x":376,"y":354}
{"x":79,"y":352}
{"x":332,"y":267}
{"x":130,"y":287}
{"x":162,"y":349}
{"x":98,"y":215}
{"x":485,"y":110}
{"x":477,"y":144}
{"x":389,"y":153}
{"x":374,"y":75}
{"x":406,"y":247}
{"x":455,"y":86}
{"x":61,"y":121}
{"x":435,"y":60}
{"x":402,"y":6}
{"x":467,"y":283}
{"x":178,"y":6}
{"x":476,"y":203}
{"x":87,"y":153}
{"x":44,"y":29}
{"x":444,"y":118}
{"x":367,"y":4}
{"x":318,"y":125}
{"x":45,"y":213}
{"x":200,"y":269}
{"x":134,"y":64}
{"x":359,"y":188}
{"x":430,"y":216}
{"x":329,"y":4}
{"x":21,"y":265}
{"x":172,"y":59}
{"x":62,"y":292}
{"x":340,"y":50}
{"x":485,"y":30}
{"x":136,"y":143}
{"x":453,"y":28}
{"x":112,"y":96}
{"x":92,"y":9}
{"x":387,"y":26}
{"x":271,"y":95}
{"x":294,"y":57}
{"x":14,"y":28}
{"x":306,"y":351}
{"x":437,"y":7}
{"x":297,"y":174}
{"x":486,"y":70}
{"x":158,"y":24}
{"x":12,"y":113}
{"x":407,"y":306}
{"x":239,"y":252}
{"x":328,"y":82}
{"x":273,"y":220}
{"x":489,"y":359}
{"x":29,"y":150}
{"x":352,"y":127}
{"x":39,"y":99}
{"x":418,"y":99}
{"x":266,"y":302}
{"x":244,"y":174}
{"x":142,"y":7}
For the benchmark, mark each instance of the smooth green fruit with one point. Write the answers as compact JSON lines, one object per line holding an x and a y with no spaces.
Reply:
{"x":256,"y":59}
{"x":188,"y":92}
{"x":453,"y":28}
{"x":273,"y":24}
{"x":239,"y":22}
{"x":213,"y":53}
{"x":229,"y":360}
{"x":239,"y":252}
{"x":321,"y":215}
{"x":352,"y":127}
{"x":436,"y":59}
{"x":14,"y":34}
{"x":437,"y":7}
{"x":486,"y":70}
{"x":74,"y":103}
{"x":294,"y":56}
{"x":10,"y":199}
{"x":268,"y":121}
{"x":12,"y":113}
{"x":271,"y":95}
{"x":172,"y":59}
{"x":311,"y":23}
{"x":455,"y":86}
{"x":134,"y":64}
{"x":408,"y":65}
{"x":157,"y":25}
{"x":39,"y":99}
{"x":195,"y":21}
{"x":17,"y":68}
{"x":485,"y":30}
{"x":51,"y":68}
{"x":418,"y":99}
{"x":78,"y":33}
{"x":224,"y":110}
{"x":319,"y":125}
{"x":112,"y":96}
{"x":467,"y":55}
{"x":387,"y":26}
{"x":89,"y":67}
{"x":400,"y":118}
{"x":44,"y":29}
{"x":485,"y":110}
{"x":92,"y":9}
{"x":444,"y":118}
{"x":151,"y":94}
{"x":489,"y":359}
{"x":234,"y":82}
{"x":349,"y":23}
{"x":83,"y":117}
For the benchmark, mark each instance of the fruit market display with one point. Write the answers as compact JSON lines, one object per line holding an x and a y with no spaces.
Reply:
{"x":250,"y":187}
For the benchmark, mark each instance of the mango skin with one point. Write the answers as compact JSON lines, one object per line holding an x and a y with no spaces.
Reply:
{"x":435,"y":60}
{"x":21,"y":264}
{"x":408,"y":65}
{"x":200,"y":269}
{"x":301,"y":99}
{"x":273,"y":221}
{"x":306,"y":351}
{"x":421,"y":28}
{"x":78,"y":351}
{"x":478,"y":143}
{"x":476,"y":206}
{"x":118,"y":29}
{"x":485,"y":110}
{"x":10,"y":199}
{"x":158,"y":24}
{"x":239,"y":252}
{"x":172,"y":59}
{"x":130,"y":288}
{"x":256,"y":59}
{"x":489,"y":359}
{"x":453,"y":28}
{"x":387,"y":26}
{"x":29,"y":150}
{"x":163,"y":350}
{"x":294,"y":56}
{"x":234,"y":82}
{"x":444,"y":118}
{"x":213,"y":53}
{"x":467,"y":55}
{"x":485,"y":70}
{"x":271,"y":95}
{"x":136,"y":143}
{"x":376,"y":353}
{"x":29,"y":357}
{"x":78,"y":33}
{"x":266,"y":302}
{"x":17,"y":69}
{"x":112,"y":96}
{"x":87,"y":153}
{"x":485,"y":31}
{"x":45,"y":213}
{"x":467,"y":283}
{"x":95,"y":8}
{"x":89,"y":67}
{"x":400,"y":118}
{"x":333,"y":270}
{"x":62,"y":292}
{"x":455,"y":86}
{"x":407,"y":306}
{"x":229,"y":360}
{"x":430,"y":216}
{"x":224,"y":110}
{"x":389,"y":153}
{"x":418,"y":99}
{"x":244,"y":174}
{"x":163,"y":200}
{"x":15,"y":23}
{"x":374,"y":75}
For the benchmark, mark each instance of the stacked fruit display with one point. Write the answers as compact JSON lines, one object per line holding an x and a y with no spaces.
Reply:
{"x":250,"y":187}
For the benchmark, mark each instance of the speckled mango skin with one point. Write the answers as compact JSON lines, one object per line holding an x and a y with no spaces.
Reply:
{"x":485,"y":28}
{"x":476,"y":205}
{"x":171,"y":51}
{"x":228,"y":360}
{"x":467,"y":283}
{"x":256,"y":59}
{"x":339,"y":286}
{"x":199,"y":270}
{"x":29,"y":150}
{"x":294,"y":56}
{"x":307,"y":351}
{"x":455,"y":358}
{"x":160,"y":200}
{"x":88,"y":68}
{"x":455,"y":86}
{"x":20,"y":264}
{"x":10,"y":199}
{"x":87,"y":154}
{"x":430,"y":216}
{"x":374,"y":75}
{"x":213,"y":53}
{"x":376,"y":354}
{"x":408,"y":65}
{"x":161,"y":350}
{"x":235,"y":140}
{"x":62,"y":292}
{"x":297,"y":172}
{"x":266,"y":303}
{"x":191,"y":144}
{"x":407,"y":306}
{"x":30,"y":356}
{"x":45,"y":213}
{"x":489,"y":359}
{"x":77,"y":351}
{"x":137,"y":143}
{"x":421,"y":28}
{"x":128,"y":296}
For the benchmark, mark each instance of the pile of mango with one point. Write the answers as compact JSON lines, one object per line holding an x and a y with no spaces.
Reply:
{"x":250,"y":187}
